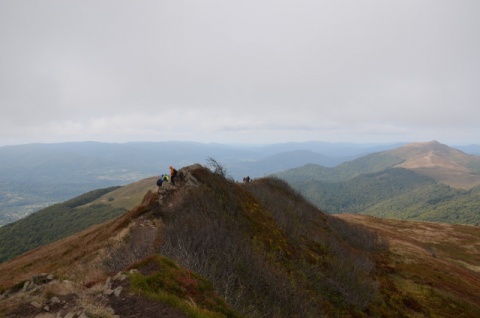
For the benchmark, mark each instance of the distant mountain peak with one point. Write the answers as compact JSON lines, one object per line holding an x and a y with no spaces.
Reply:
{"x":415,"y":149}
{"x":425,"y":145}
{"x":441,"y":162}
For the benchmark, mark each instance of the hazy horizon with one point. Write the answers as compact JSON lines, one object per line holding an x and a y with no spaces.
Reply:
{"x":240,"y":72}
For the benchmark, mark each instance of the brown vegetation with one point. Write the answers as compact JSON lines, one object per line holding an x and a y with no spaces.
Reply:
{"x":431,"y":265}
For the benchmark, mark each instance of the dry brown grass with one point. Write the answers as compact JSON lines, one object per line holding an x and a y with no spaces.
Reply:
{"x":435,"y":262}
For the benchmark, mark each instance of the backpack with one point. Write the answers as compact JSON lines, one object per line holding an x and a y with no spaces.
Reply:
{"x":159,"y":182}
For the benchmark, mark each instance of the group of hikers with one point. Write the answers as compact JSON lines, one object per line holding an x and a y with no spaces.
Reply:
{"x":167,"y":178}
{"x":174,"y":173}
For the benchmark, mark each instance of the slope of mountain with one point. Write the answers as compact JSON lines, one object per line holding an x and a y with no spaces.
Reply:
{"x":64,"y":219}
{"x":429,"y":263}
{"x":423,"y":181}
{"x":438,"y":203}
{"x":444,"y":164}
{"x":215,"y":248}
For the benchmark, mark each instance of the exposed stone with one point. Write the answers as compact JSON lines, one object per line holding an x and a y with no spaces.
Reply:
{"x":46,"y":308}
{"x":108,"y":291}
{"x":36,"y":304}
{"x":108,"y":284}
{"x":71,"y":315}
{"x":54,"y":300}
{"x":120,"y":276}
{"x":188,"y":178}
{"x":168,"y":186}
{"x":117,"y":291}
{"x":25,"y":286}
{"x":191,"y":183}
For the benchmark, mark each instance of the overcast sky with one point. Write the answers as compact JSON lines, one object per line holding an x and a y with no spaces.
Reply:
{"x":240,"y":71}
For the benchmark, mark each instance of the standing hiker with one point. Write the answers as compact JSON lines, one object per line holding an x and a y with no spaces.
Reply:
{"x":173,"y":175}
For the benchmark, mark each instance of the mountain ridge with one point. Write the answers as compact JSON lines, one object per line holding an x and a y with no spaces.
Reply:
{"x":219,"y":228}
{"x":267,"y":251}
{"x":353,"y":187}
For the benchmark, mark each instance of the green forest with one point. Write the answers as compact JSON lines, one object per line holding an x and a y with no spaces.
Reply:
{"x":55,"y":222}
{"x":394,"y":193}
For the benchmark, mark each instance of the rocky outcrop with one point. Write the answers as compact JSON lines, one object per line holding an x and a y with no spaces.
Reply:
{"x":187,"y":177}
{"x":36,"y":300}
{"x":185,"y":180}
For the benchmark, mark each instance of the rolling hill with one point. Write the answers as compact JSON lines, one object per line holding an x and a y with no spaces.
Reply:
{"x":421,"y":181}
{"x":70,"y":217}
{"x":216,"y":248}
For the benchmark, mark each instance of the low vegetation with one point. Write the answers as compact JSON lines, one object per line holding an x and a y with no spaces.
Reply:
{"x":162,"y":280}
{"x":432,"y":269}
{"x":267,"y":251}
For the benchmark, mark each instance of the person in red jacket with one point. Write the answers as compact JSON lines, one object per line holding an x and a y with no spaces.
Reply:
{"x":173,"y":174}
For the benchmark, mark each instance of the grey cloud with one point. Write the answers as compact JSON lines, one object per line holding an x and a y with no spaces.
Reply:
{"x":240,"y":66}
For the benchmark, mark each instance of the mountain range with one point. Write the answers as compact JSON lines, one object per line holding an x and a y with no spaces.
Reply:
{"x":212,"y":247}
{"x":34,"y":176}
{"x":421,"y":181}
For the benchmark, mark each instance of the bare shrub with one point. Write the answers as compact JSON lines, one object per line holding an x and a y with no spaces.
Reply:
{"x":268,"y":251}
{"x":136,"y":245}
{"x":343,"y":277}
{"x":210,"y":235}
{"x":216,"y":167}
{"x":290,"y":210}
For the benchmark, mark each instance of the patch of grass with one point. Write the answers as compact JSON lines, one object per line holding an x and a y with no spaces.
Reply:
{"x":457,"y":251}
{"x":179,"y":288}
